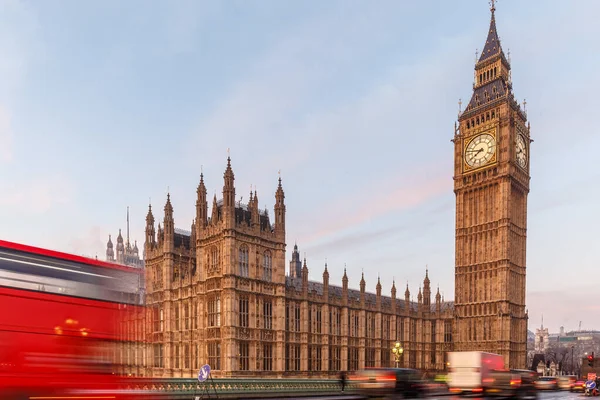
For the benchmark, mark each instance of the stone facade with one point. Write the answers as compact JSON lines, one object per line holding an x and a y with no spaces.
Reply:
{"x":491,"y":182}
{"x":219,"y":293}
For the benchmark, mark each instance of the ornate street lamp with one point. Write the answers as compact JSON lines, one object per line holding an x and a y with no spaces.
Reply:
{"x":397,"y":350}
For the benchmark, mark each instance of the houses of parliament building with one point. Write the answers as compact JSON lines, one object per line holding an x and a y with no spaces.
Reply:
{"x":220,"y":292}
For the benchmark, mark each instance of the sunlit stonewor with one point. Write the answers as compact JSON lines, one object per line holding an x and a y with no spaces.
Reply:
{"x":491,"y":182}
{"x":219,"y":293}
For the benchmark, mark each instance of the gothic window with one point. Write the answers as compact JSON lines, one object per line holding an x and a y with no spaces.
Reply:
{"x":268,"y":314}
{"x":158,"y":356}
{"x":186,"y":356}
{"x":268,"y":356}
{"x":369,"y":357}
{"x":287,"y":317}
{"x":214,"y":311}
{"x":318,"y":319}
{"x":335,"y":356}
{"x":162,"y":320}
{"x":244,"y":356}
{"x":214,"y":355}
{"x":187,"y":316}
{"x":352,"y":358}
{"x":447,"y":331}
{"x":195,"y":305}
{"x":354,"y":324}
{"x":177,"y":320}
{"x":214,"y":260}
{"x":156,"y":319}
{"x":267,"y":266}
{"x":243,"y":261}
{"x":297,"y":317}
{"x":243,"y":312}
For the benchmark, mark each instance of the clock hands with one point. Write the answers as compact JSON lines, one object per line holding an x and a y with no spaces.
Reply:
{"x":475,"y":151}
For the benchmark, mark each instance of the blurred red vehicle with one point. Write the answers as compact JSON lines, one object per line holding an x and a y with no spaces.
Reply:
{"x":61,"y":323}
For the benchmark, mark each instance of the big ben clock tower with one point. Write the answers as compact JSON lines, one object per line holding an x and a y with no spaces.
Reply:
{"x":491,"y":182}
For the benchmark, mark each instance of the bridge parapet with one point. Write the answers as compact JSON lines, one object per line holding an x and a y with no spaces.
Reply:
{"x":231,"y":388}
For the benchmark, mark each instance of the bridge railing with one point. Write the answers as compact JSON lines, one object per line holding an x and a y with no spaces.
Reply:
{"x":231,"y":387}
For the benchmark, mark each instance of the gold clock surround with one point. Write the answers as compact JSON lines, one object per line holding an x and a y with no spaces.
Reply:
{"x":491,"y":132}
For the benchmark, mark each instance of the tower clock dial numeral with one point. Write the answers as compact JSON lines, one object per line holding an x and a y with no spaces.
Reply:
{"x":521,"y":149}
{"x":480,"y":150}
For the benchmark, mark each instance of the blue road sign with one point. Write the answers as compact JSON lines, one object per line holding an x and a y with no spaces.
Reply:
{"x":204,"y":372}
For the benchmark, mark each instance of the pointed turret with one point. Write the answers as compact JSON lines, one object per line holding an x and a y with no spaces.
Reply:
{"x":169,"y":226}
{"x":120,"y":249}
{"x":305,"y":279}
{"x":393,"y":296}
{"x":420,"y":296}
{"x":438,"y":299}
{"x":201,"y":204}
{"x":492,"y":45}
{"x":228,"y":196}
{"x":378,"y":294}
{"x":426,"y":290}
{"x":214,"y":219}
{"x":407,"y":298}
{"x":345,"y":287}
{"x":150,"y":234}
{"x":255,"y":213}
{"x":492,"y":78}
{"x":193,"y":237}
{"x":279,"y":210}
{"x":325,"y":283}
{"x":295,"y":264}
{"x":363,"y":284}
{"x":110,"y":253}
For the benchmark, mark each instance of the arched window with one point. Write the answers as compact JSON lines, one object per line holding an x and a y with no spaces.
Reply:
{"x":243,"y":261}
{"x":214,"y":259}
{"x":267,"y":266}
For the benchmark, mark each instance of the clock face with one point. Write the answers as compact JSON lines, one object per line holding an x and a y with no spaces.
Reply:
{"x":521,"y":148}
{"x":480,"y":150}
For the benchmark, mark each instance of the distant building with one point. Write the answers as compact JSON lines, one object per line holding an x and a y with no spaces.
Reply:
{"x":541,"y":339}
{"x":126,"y":253}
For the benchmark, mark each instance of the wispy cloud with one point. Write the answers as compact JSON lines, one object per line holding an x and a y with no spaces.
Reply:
{"x":388,"y":198}
{"x":37,"y":196}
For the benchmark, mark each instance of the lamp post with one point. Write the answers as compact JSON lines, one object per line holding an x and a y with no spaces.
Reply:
{"x":572,"y":361}
{"x":397,"y":350}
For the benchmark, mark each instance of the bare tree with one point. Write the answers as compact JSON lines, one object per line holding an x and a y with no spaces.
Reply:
{"x":560,"y":355}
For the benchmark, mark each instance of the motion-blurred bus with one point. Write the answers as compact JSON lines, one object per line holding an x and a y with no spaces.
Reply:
{"x":61,"y":323}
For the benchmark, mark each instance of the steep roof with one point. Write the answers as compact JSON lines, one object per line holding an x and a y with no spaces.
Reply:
{"x":492,"y":45}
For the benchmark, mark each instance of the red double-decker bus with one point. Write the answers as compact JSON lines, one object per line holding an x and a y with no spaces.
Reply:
{"x":61,"y":323}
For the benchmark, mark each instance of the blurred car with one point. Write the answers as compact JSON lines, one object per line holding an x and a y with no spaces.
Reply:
{"x":513,"y":383}
{"x":578,"y":386}
{"x":384,"y":382}
{"x":547,"y":383}
{"x":565,"y":382}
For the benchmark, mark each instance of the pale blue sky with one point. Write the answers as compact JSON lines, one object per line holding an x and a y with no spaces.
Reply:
{"x":104,"y":104}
